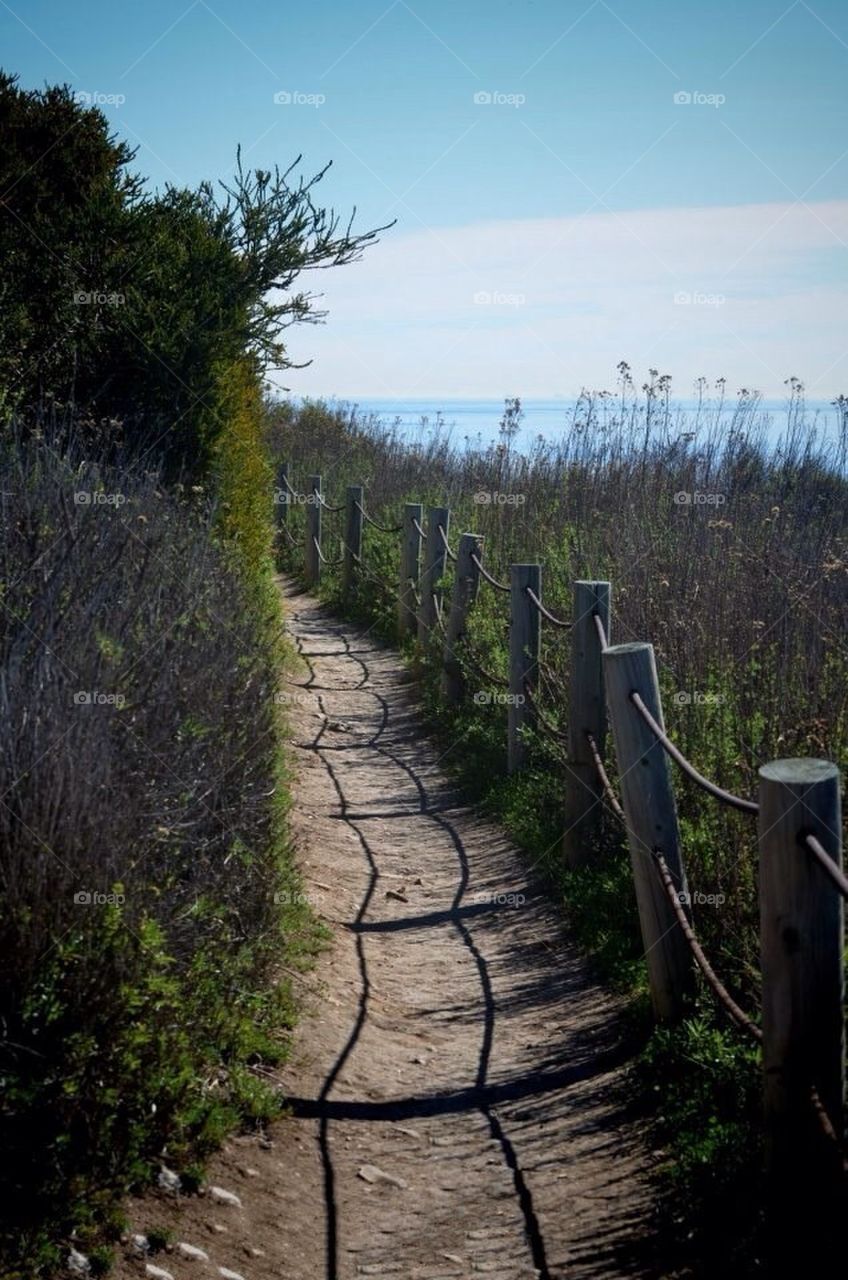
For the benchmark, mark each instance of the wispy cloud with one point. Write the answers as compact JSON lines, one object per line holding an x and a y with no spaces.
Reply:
{"x":544,"y":306}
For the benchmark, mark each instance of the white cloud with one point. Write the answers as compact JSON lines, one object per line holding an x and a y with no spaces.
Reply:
{"x":570,"y":297}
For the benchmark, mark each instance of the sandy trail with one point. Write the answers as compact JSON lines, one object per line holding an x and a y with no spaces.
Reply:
{"x":457,"y":1082}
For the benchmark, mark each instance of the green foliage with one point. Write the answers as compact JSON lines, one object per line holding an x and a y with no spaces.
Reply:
{"x":706,"y":1083}
{"x":65,"y":192}
{"x":243,"y":477}
{"x":135,"y":328}
{"x":148,"y":1020}
{"x":136,"y":308}
{"x":159,"y":1238}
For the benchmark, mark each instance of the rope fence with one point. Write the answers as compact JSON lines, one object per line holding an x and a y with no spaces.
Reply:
{"x":444,"y":540}
{"x":827,"y":864}
{"x":727,"y":797}
{"x":487,"y":577}
{"x":326,"y":506}
{"x":395,"y":528}
{"x":546,"y":613}
{"x":329,"y":564}
{"x":615,"y":712}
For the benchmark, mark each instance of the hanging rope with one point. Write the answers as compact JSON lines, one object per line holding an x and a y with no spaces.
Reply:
{"x":603,"y":778}
{"x":326,"y":505}
{"x":445,"y":543}
{"x":827,"y":865}
{"x":736,"y":802}
{"x":720,"y":990}
{"x":331,"y":564}
{"x":546,"y":613}
{"x":382,"y":527}
{"x":499,"y":586}
{"x":437,"y":609}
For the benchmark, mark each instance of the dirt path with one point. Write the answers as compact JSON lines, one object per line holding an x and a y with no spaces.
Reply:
{"x":457,"y":1082}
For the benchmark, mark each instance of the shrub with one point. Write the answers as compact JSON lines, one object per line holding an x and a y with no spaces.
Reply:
{"x":141,"y":840}
{"x":138,"y":308}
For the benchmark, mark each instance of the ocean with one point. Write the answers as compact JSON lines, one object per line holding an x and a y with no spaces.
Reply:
{"x":476,"y":422}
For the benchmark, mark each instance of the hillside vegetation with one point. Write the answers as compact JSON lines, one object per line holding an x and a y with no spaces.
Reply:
{"x":150,"y":919}
{"x":727,"y":548}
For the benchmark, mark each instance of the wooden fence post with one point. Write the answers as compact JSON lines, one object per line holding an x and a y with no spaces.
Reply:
{"x":465,"y":586}
{"x":410,"y":569}
{"x":435,"y":564}
{"x":587,"y":715}
{"x":801,"y":941}
{"x":525,"y":642}
{"x":312,"y":560}
{"x":353,"y":537}
{"x":648,"y":802}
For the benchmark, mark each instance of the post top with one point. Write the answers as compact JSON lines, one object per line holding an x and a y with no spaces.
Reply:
{"x":632,"y":646}
{"x":591,"y":582}
{"x":799,"y":771}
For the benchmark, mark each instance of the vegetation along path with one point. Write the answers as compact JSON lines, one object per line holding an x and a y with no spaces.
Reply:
{"x":458,"y":1081}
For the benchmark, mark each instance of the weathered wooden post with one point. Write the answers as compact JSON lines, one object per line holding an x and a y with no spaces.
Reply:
{"x":587,"y":715}
{"x":648,"y":802}
{"x":801,"y":943}
{"x":525,"y":644}
{"x":312,"y":560}
{"x":435,"y":564}
{"x":410,"y":569}
{"x":353,"y":537}
{"x":465,"y":586}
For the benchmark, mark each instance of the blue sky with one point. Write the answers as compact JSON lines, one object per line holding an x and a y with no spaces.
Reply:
{"x":532,"y":152}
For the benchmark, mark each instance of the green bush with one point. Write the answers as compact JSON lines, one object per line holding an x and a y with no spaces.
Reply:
{"x":137,"y":309}
{"x":145,"y":773}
